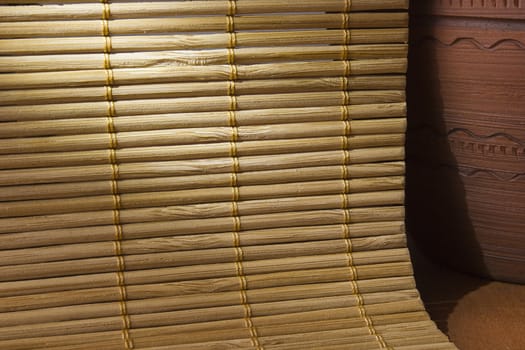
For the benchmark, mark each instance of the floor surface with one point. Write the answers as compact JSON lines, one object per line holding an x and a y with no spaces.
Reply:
{"x":477,"y":314}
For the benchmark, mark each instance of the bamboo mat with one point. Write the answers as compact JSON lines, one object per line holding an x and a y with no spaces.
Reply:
{"x":208,"y":174}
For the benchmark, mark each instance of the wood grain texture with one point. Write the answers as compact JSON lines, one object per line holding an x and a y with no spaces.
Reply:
{"x":210,"y":174}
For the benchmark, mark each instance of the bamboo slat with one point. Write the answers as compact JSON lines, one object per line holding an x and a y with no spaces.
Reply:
{"x":271,"y":334}
{"x":39,"y":46}
{"x":59,"y":158}
{"x":113,"y":324}
{"x":199,"y":137}
{"x":108,"y":338}
{"x":153,"y":261}
{"x":206,"y":310}
{"x":194,"y":242}
{"x":218,"y":225}
{"x":193,"y":120}
{"x":198,"y":166}
{"x":187,"y":24}
{"x":415,"y":328}
{"x":80,"y":189}
{"x":196,"y":104}
{"x":341,"y":341}
{"x":181,"y":197}
{"x":137,"y":292}
{"x":349,"y":324}
{"x":122,"y":76}
{"x":249,"y":87}
{"x":249,"y":55}
{"x":197,"y":273}
{"x":207,"y":210}
{"x":126,"y":9}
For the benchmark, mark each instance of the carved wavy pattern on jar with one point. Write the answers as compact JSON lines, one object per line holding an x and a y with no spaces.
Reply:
{"x":497,"y":175}
{"x":495,"y":9}
{"x":483,"y":4}
{"x":494,"y":46}
{"x":497,"y":144}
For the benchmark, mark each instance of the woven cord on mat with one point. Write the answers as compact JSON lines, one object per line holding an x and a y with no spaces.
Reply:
{"x":113,"y":146}
{"x":207,"y":174}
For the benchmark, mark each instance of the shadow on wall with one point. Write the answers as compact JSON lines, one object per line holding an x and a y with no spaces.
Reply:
{"x":438,"y":220}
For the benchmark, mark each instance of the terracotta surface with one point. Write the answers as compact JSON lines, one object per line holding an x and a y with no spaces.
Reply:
{"x":466,"y":140}
{"x":476,"y":314}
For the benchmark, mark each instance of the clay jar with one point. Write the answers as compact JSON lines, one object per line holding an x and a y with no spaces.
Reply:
{"x":466,"y":137}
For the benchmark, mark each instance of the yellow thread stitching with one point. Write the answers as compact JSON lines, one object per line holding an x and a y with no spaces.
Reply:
{"x":346,"y":210}
{"x":232,"y":11}
{"x":348,"y":69}
{"x":347,"y":38}
{"x":115,"y":174}
{"x":347,"y":189}
{"x":348,"y":6}
{"x":237,"y":227}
